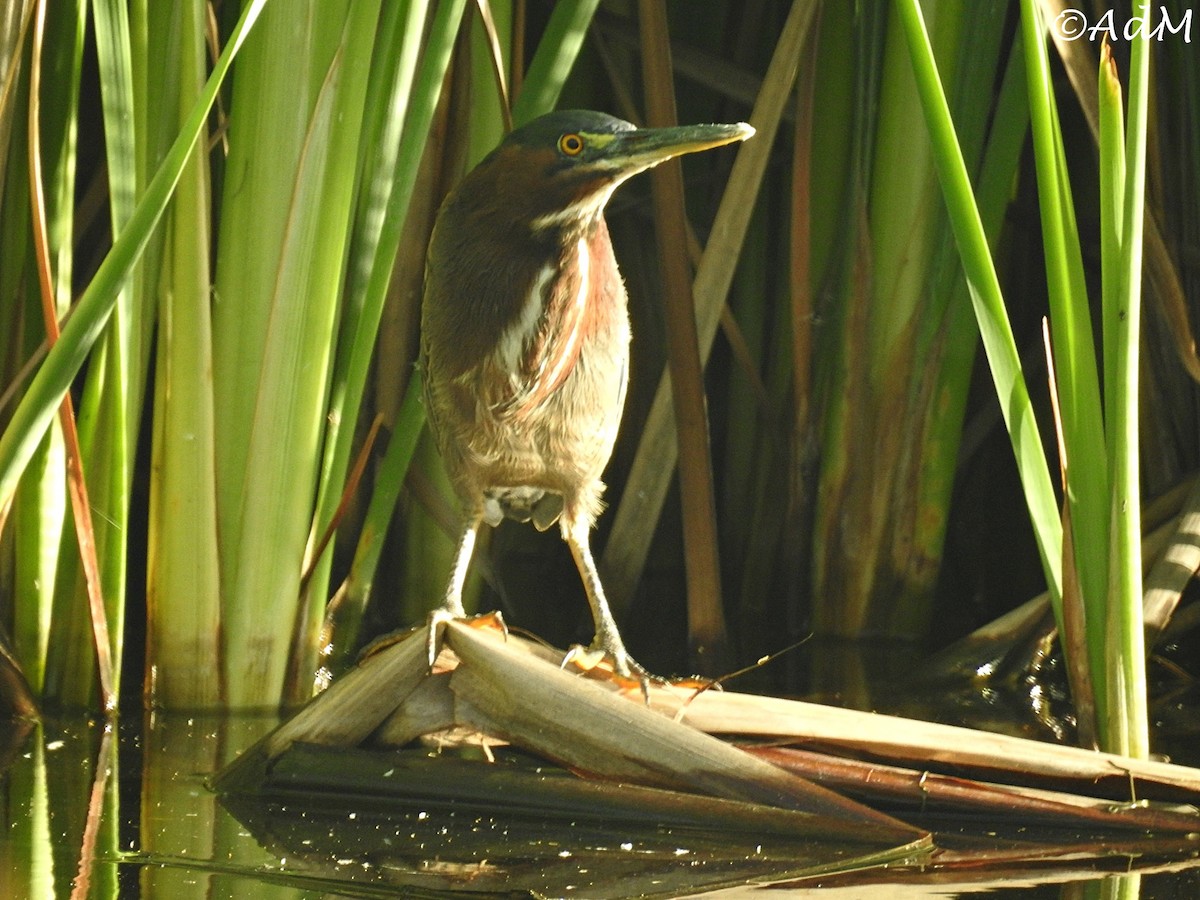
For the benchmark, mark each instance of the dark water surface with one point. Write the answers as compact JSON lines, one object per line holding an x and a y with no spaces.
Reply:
{"x":95,"y":810}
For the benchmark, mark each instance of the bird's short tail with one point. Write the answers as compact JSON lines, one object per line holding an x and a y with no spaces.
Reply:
{"x":523,"y":504}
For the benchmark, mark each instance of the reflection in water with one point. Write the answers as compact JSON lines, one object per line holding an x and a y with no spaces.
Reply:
{"x":408,"y":819}
{"x":93,"y":810}
{"x":85,"y":800}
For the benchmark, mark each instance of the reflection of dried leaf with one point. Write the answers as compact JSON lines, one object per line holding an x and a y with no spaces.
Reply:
{"x":514,"y":829}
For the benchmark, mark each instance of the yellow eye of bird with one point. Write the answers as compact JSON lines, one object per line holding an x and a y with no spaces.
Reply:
{"x":571,"y":144}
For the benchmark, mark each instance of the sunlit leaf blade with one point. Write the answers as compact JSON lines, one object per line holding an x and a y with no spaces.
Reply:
{"x":182,"y":578}
{"x":402,"y":113}
{"x":1125,"y":724}
{"x":285,"y":223}
{"x":1075,"y":360}
{"x":91,"y":312}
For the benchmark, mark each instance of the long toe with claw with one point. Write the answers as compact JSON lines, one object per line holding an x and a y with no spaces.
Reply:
{"x":439,"y":617}
{"x":625,"y":668}
{"x":433,"y":631}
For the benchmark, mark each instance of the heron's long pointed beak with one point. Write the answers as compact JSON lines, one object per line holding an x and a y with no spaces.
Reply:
{"x":633,"y":151}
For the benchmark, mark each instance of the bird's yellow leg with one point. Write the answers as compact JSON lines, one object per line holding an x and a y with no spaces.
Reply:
{"x":452,"y":605}
{"x":452,"y":602}
{"x":608,"y":638}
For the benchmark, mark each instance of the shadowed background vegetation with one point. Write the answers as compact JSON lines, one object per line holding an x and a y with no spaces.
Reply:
{"x":235,"y":262}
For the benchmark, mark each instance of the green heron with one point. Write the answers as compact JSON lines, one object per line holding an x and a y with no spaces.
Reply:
{"x":525,"y":332}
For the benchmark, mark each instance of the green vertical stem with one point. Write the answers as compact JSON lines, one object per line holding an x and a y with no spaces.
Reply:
{"x":73,"y":652}
{"x":42,"y":511}
{"x":107,"y":430}
{"x":489,"y":112}
{"x":1125,"y":728}
{"x":183,"y":588}
{"x":992,"y":127}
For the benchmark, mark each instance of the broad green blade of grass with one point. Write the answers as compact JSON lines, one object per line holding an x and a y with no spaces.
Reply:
{"x":1124,"y":725}
{"x":268,"y":127}
{"x":904,"y":205}
{"x":33,"y":524}
{"x":888,"y":298}
{"x":57,"y":113}
{"x":987,"y":301}
{"x":1111,"y":137}
{"x":39,"y":405}
{"x":14,"y":30}
{"x":14,"y":200}
{"x":296,"y":120}
{"x":490,"y":109}
{"x":182,"y":578}
{"x":400,"y":110}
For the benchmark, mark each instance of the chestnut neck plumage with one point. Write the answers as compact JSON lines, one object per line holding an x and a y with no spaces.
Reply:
{"x":495,"y":264}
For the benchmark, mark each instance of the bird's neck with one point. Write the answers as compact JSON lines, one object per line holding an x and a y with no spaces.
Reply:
{"x":578,"y":218}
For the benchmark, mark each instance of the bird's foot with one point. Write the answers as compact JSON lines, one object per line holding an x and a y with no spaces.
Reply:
{"x":619,"y":665}
{"x":439,"y":617}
